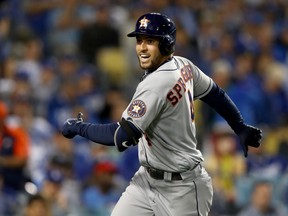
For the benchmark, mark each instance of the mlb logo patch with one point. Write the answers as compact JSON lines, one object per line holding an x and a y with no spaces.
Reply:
{"x":137,"y":109}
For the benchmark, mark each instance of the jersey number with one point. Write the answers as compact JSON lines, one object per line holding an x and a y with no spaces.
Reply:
{"x":191,"y":105}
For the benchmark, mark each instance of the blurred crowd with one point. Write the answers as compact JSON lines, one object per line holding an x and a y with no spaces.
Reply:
{"x":59,"y":57}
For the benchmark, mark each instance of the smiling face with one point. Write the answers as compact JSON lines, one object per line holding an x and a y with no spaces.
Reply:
{"x":149,"y":56}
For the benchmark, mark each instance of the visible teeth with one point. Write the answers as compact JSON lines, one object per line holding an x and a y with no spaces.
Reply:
{"x":144,"y":56}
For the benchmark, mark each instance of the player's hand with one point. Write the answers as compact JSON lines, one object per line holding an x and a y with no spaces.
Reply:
{"x":69,"y":129}
{"x":249,"y":136}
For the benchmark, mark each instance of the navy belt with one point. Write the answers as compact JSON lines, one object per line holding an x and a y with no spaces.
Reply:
{"x":160,"y":174}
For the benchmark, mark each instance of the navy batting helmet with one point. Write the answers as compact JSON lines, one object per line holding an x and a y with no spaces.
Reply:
{"x":157,"y":25}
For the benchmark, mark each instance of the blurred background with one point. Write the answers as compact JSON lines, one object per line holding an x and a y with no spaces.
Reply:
{"x":59,"y":57}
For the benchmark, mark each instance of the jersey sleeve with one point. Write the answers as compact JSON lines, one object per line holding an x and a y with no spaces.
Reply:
{"x":143,"y":109}
{"x":202,"y":83}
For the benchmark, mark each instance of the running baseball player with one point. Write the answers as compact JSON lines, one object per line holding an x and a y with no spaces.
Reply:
{"x":160,"y":120}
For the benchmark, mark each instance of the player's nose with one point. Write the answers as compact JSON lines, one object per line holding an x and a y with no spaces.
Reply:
{"x":143,"y":46}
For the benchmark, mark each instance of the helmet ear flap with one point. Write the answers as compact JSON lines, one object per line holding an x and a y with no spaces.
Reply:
{"x":167,"y":45}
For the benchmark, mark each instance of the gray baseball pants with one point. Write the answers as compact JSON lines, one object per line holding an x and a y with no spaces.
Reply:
{"x":146,"y":196}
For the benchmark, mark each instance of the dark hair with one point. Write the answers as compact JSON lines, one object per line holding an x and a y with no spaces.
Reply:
{"x":260,"y":182}
{"x":35,"y":198}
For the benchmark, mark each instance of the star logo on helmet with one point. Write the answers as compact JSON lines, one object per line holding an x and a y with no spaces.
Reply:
{"x":144,"y":23}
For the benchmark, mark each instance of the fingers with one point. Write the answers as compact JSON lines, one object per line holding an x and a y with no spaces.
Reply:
{"x":246,"y":151}
{"x":69,"y":128}
{"x":251,"y":136}
{"x":66,"y":133}
{"x":256,"y":138}
{"x":79,"y":116}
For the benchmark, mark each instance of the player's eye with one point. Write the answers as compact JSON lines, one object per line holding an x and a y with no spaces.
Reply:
{"x":138,"y":40}
{"x":150,"y":41}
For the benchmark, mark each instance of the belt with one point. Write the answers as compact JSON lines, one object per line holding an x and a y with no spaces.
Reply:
{"x":162,"y":175}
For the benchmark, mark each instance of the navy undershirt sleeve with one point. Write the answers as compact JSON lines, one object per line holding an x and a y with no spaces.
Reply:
{"x":218,"y":99}
{"x":99,"y":133}
{"x":105,"y":133}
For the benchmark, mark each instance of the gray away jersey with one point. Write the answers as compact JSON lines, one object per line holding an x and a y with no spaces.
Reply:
{"x":162,"y":108}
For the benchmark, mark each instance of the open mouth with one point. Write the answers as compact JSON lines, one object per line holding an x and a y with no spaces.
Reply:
{"x":144,"y":58}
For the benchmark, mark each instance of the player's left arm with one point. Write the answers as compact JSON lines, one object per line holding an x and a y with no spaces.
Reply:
{"x":121,"y":134}
{"x":218,"y":99}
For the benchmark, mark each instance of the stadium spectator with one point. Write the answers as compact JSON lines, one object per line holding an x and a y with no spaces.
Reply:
{"x":99,"y":34}
{"x":262,"y":164}
{"x":100,"y":196}
{"x":36,"y":206}
{"x":225,"y":164}
{"x":23,"y":113}
{"x":14,"y":154}
{"x":51,"y":191}
{"x":262,"y":202}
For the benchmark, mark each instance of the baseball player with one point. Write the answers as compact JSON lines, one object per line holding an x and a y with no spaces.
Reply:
{"x":160,"y":120}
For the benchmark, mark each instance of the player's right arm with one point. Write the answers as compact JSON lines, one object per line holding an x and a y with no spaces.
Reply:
{"x":122,"y":134}
{"x":209,"y":92}
{"x":218,"y":99}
